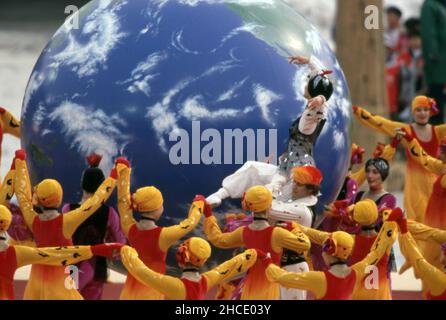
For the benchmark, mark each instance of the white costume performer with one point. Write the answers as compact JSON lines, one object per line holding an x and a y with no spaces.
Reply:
{"x":303,"y":134}
{"x":258,"y":173}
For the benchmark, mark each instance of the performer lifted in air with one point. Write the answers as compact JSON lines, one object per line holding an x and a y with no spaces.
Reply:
{"x":303,"y":136}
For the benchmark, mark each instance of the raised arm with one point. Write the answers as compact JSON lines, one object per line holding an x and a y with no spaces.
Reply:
{"x":377,"y":123}
{"x":431,"y":276}
{"x":309,"y":61}
{"x":10,"y":124}
{"x":222,"y":240}
{"x":124,"y":201}
{"x":425,"y":233}
{"x":231,"y":268}
{"x":7,"y":187}
{"x":418,"y":154}
{"x":172,"y":234}
{"x":73,"y":219}
{"x":173,"y":288}
{"x":382,"y":245}
{"x":22,"y":188}
{"x":386,"y":152}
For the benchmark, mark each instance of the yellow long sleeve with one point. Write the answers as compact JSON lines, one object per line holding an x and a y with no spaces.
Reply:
{"x":382,"y":245}
{"x":313,"y":281}
{"x":378,"y":123}
{"x":172,"y":234}
{"x":222,"y":240}
{"x":296,"y":240}
{"x":22,"y":188}
{"x":231,"y":268}
{"x":418,"y":154}
{"x":57,"y":256}
{"x":173,"y":288}
{"x":10,"y":124}
{"x":124,"y":203}
{"x":73,"y":219}
{"x":359,"y":176}
{"x":422,"y":232}
{"x":316,"y":236}
{"x":7,"y":188}
{"x":440,"y":131}
{"x":432,"y":277}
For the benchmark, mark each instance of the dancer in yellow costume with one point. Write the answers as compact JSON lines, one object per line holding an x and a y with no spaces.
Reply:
{"x":150,"y":241}
{"x":365,"y":214}
{"x":14,"y":257}
{"x":18,"y":224}
{"x":18,"y":227}
{"x":191,"y":255}
{"x":434,"y":278}
{"x":435,"y":211}
{"x":258,"y":235}
{"x":50,"y":228}
{"x":419,"y":182}
{"x":339,"y":282}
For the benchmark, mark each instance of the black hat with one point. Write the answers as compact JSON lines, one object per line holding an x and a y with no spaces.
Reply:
{"x":395,"y":10}
{"x":320,"y":84}
{"x":92,"y":176}
{"x":381,"y":165}
{"x":413,"y":25}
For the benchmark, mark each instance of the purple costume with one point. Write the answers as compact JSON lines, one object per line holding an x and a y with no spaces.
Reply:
{"x":89,"y":287}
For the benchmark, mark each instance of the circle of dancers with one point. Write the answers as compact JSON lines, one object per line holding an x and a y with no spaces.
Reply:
{"x":278,"y":251}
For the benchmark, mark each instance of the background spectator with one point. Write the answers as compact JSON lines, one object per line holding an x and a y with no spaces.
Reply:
{"x":433,"y":34}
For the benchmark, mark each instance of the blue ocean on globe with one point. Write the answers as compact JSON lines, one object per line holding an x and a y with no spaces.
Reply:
{"x":166,"y":83}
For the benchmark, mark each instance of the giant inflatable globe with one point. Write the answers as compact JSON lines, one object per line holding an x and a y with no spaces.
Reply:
{"x":187,"y":90}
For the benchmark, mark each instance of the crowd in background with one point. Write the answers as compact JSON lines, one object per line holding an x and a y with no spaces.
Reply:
{"x":416,"y":59}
